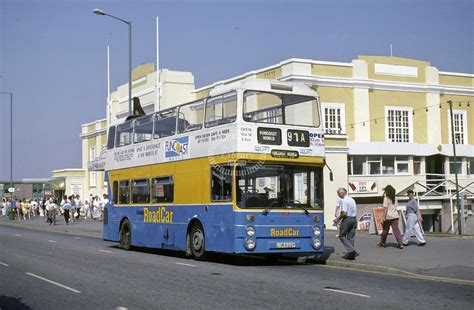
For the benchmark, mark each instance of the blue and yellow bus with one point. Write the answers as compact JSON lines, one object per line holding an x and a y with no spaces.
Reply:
{"x":240,"y":171}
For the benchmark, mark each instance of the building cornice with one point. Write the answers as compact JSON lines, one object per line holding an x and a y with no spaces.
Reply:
{"x":94,"y":133}
{"x":278,"y":65}
{"x":379,"y":85}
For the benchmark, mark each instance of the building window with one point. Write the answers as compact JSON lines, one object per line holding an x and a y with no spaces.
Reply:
{"x":359,"y":165}
{"x":452,"y":167}
{"x":398,"y":124}
{"x":334,"y":118}
{"x":377,"y":165}
{"x":402,"y":164}
{"x":373,"y":163}
{"x":460,"y":127}
{"x":417,"y":165}
{"x":92,"y":153}
{"x":388,"y":165}
{"x":92,"y":178}
{"x":162,"y":189}
{"x":470,"y":164}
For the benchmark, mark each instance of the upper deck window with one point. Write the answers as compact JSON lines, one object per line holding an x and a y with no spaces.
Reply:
{"x":143,"y":129}
{"x":261,"y":107}
{"x":221,"y":109}
{"x":165,"y":123}
{"x":190,"y":116}
{"x":124,"y":134}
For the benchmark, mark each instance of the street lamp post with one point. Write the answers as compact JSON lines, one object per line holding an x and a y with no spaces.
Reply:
{"x":11,"y":136}
{"x":453,"y":140}
{"x":129,"y":23}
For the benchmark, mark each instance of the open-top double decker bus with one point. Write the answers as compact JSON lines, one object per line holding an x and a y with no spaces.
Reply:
{"x":240,"y":171}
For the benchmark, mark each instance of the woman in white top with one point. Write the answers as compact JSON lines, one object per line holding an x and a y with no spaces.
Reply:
{"x":390,"y":217}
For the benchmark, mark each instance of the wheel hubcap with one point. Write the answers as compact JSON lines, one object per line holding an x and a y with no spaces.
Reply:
{"x":198,"y":240}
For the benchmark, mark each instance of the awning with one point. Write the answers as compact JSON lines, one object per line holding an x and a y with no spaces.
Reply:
{"x":56,"y":184}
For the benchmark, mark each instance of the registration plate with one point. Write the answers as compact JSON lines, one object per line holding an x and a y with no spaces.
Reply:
{"x":286,"y":245}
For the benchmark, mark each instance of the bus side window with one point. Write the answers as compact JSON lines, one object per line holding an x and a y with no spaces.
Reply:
{"x":124,"y":193}
{"x":115,"y":192}
{"x":165,"y":124}
{"x":190,"y":116}
{"x":141,"y":191}
{"x":124,"y":134}
{"x":162,"y":189}
{"x":143,"y":129}
{"x":221,"y":183}
{"x":221,"y":110}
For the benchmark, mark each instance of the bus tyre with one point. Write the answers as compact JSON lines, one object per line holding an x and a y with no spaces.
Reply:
{"x":125,"y":236}
{"x":198,"y":242}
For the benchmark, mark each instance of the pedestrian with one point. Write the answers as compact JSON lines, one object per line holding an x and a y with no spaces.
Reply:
{"x":51,"y":211}
{"x":77,"y":201}
{"x":4,"y":207}
{"x":86,"y":209}
{"x":337,"y":212}
{"x":413,"y":217}
{"x":390,"y":217}
{"x":25,"y":210}
{"x":66,"y":205}
{"x":96,"y":208}
{"x":348,"y":221}
{"x":72,"y":211}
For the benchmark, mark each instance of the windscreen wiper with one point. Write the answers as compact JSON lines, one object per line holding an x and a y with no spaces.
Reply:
{"x":305,"y":210}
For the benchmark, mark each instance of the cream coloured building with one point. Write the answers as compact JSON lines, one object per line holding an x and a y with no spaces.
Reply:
{"x":386,"y":120}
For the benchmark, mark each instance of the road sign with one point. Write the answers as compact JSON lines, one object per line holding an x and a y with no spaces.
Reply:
{"x":11,"y":190}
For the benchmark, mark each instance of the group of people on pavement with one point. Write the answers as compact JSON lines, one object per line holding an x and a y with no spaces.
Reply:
{"x":71,"y":207}
{"x":346,"y":221}
{"x":21,"y":208}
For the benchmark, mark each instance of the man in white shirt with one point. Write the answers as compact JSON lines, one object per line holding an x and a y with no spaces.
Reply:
{"x":348,"y":223}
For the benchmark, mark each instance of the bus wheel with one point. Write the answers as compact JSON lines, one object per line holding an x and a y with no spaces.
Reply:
{"x":125,"y":236}
{"x":198,"y":242}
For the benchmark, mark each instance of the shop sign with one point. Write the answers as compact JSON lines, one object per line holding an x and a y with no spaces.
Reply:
{"x":363,"y":187}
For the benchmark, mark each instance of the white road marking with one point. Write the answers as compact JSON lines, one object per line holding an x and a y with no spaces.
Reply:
{"x":345,"y":292}
{"x":3,"y":264}
{"x":120,"y":308}
{"x":18,"y":235}
{"x":77,"y":237}
{"x":55,"y":283}
{"x":106,"y":251}
{"x":183,"y":264}
{"x":52,"y":241}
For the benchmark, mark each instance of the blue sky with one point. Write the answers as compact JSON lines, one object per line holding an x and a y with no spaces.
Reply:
{"x":53,"y":53}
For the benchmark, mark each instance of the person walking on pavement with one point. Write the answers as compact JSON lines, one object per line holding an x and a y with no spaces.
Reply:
{"x":348,"y":221}
{"x":51,"y":211}
{"x":66,"y":205}
{"x":413,"y":217}
{"x":390,"y":217}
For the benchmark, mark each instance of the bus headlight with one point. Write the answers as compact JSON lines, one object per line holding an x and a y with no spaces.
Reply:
{"x":316,"y":243}
{"x":316,"y":231}
{"x":250,"y":231}
{"x":250,"y":244}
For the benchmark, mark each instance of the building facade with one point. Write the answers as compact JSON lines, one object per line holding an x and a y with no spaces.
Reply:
{"x":387,"y":121}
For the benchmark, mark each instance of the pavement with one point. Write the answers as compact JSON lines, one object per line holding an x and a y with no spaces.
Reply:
{"x":444,"y":258}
